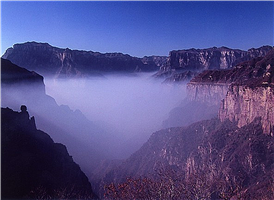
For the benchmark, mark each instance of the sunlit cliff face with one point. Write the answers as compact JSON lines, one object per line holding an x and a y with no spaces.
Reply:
{"x":130,"y":107}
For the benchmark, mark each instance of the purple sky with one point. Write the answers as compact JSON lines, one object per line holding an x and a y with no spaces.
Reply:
{"x":138,"y":28}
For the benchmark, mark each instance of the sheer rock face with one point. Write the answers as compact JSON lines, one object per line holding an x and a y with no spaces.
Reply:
{"x":243,"y":104}
{"x":198,"y":60}
{"x":244,"y":92}
{"x":33,"y":166}
{"x":209,"y":94}
{"x":252,"y":97}
{"x":46,"y":59}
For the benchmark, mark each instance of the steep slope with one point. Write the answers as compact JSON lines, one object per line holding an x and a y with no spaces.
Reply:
{"x":48,"y":60}
{"x":209,"y":156}
{"x":197,"y":60}
{"x":33,"y":166}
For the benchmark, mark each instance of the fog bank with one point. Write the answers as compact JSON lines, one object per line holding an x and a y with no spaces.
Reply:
{"x":130,"y":108}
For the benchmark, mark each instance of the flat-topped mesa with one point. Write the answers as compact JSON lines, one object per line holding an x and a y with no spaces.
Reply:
{"x":64,"y":62}
{"x":198,"y":60}
{"x":252,"y":94}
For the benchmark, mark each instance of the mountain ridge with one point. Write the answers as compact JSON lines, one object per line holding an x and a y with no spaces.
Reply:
{"x":66,"y":63}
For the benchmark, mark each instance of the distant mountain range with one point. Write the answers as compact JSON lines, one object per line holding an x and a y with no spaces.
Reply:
{"x":180,"y":65}
{"x":66,"y":63}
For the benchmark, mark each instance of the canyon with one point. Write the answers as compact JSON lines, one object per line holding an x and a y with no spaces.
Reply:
{"x":229,"y":156}
{"x":217,"y":144}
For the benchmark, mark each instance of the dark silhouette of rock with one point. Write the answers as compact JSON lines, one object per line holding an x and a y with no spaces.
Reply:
{"x":66,"y":63}
{"x":33,"y":166}
{"x":24,"y":113}
{"x":12,"y":74}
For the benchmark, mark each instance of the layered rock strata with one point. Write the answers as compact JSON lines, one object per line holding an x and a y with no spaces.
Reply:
{"x":243,"y":104}
{"x":198,"y":60}
{"x":247,"y":99}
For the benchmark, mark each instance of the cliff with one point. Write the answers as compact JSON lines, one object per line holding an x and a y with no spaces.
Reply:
{"x":252,"y":95}
{"x":204,"y":95}
{"x":33,"y":166}
{"x":48,"y":60}
{"x":198,"y":60}
{"x":206,"y":91}
{"x":243,"y":104}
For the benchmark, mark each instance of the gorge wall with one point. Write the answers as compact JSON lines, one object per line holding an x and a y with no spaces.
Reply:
{"x":243,"y":104}
{"x":209,"y":94}
{"x":198,"y":60}
{"x":230,"y":157}
{"x":253,"y":97}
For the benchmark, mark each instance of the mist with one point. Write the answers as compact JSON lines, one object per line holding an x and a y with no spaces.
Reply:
{"x":97,"y":119}
{"x":128,"y":107}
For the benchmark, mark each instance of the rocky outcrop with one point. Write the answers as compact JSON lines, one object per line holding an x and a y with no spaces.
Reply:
{"x":48,"y":60}
{"x":33,"y":166}
{"x":198,"y":60}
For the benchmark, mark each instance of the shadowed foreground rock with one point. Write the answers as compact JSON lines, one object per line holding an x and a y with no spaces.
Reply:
{"x":33,"y":166}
